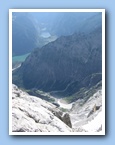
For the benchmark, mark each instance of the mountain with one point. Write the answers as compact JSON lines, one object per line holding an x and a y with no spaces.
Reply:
{"x":63,"y":66}
{"x":70,"y":23}
{"x":58,"y":86}
{"x":66,"y":23}
{"x":28,"y":33}
{"x":32,"y":30}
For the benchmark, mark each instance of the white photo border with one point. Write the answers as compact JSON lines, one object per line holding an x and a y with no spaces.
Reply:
{"x":10,"y":71}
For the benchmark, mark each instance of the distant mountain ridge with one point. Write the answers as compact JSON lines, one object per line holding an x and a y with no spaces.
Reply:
{"x":28,"y":28}
{"x":69,"y":23}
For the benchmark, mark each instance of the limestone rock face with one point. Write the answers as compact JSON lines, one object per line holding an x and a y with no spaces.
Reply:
{"x":32,"y":114}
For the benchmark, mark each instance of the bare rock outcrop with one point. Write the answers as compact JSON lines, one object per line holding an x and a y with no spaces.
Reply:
{"x":65,"y":117}
{"x":32,"y":114}
{"x":87,"y":116}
